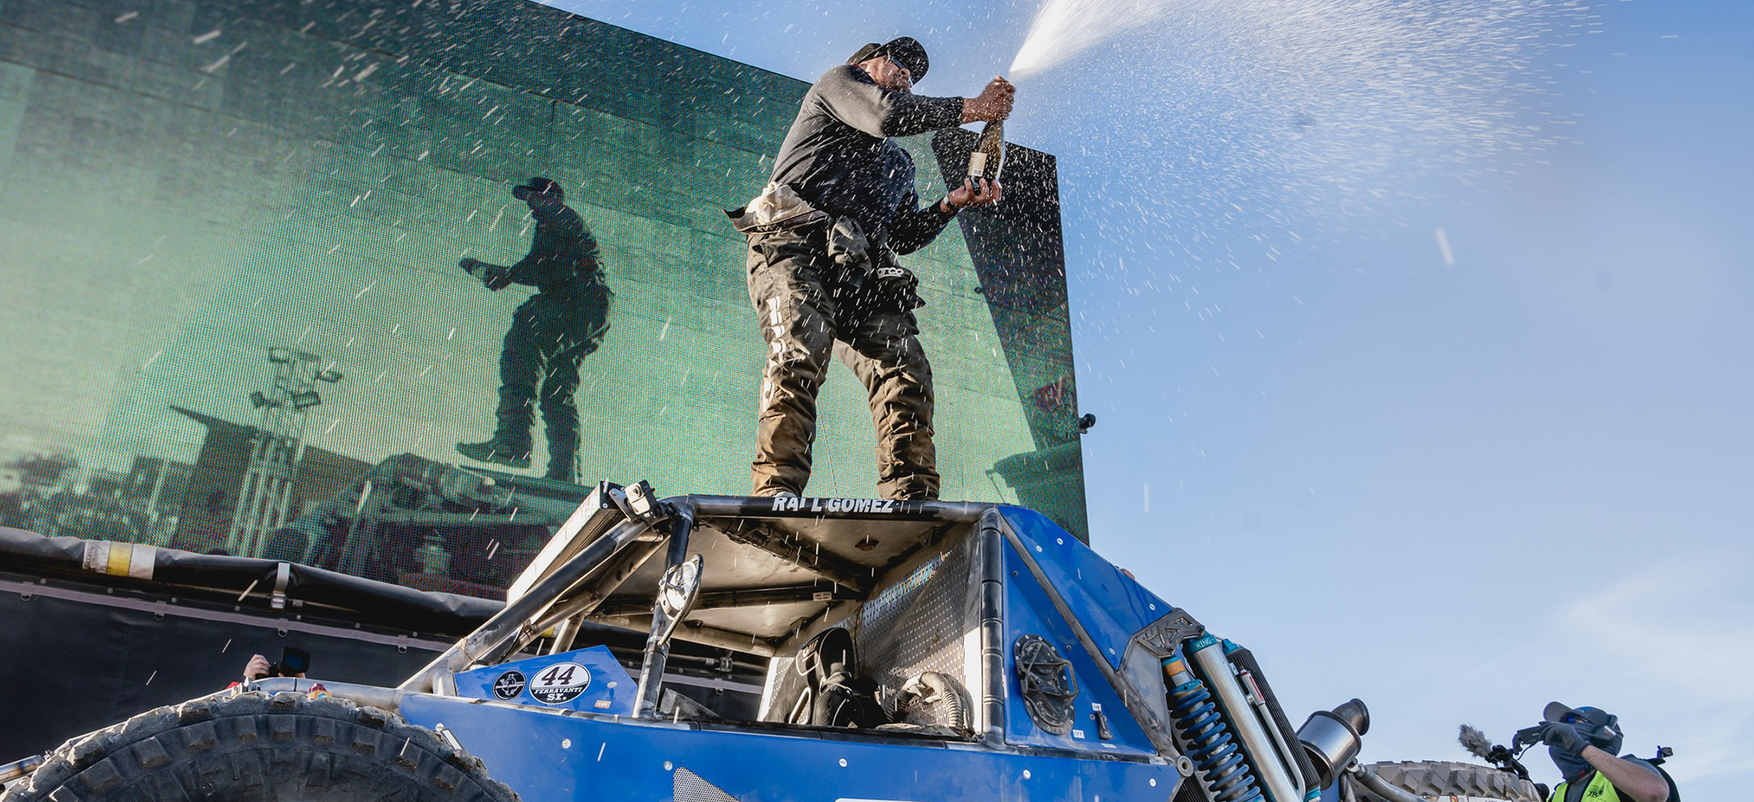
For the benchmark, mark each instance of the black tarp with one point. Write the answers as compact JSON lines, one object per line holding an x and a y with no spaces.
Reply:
{"x":81,"y":658}
{"x":84,"y":649}
{"x":369,"y":600}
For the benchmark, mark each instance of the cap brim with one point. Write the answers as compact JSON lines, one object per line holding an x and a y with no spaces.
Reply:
{"x":1556,"y":712}
{"x":521,"y":192}
{"x":869,"y":51}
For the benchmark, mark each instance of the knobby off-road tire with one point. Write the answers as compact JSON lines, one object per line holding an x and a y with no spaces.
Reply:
{"x":254,"y":746}
{"x":1439,"y":779}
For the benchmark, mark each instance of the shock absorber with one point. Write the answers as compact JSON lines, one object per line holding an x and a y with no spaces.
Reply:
{"x":1218,"y":758}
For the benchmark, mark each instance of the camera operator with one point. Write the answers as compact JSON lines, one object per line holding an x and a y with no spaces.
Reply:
{"x":260,"y":668}
{"x":1583,"y":742}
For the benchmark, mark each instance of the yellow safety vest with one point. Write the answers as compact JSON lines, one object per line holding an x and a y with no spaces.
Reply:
{"x":1599,"y":790}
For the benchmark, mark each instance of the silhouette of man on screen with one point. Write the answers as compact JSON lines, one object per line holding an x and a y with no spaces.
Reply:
{"x":550,"y":334}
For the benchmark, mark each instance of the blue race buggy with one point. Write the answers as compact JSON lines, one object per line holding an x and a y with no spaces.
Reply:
{"x":913,"y":650}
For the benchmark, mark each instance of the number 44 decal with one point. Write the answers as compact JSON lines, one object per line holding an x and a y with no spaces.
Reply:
{"x":560,"y":683}
{"x":556,"y":676}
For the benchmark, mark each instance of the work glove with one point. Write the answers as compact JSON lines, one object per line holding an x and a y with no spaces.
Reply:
{"x":1564,"y":737}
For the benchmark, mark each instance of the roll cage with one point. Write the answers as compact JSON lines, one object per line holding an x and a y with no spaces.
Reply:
{"x":776,"y":571}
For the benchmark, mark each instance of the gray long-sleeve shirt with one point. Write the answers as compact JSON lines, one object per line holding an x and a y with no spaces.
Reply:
{"x":839,"y":158}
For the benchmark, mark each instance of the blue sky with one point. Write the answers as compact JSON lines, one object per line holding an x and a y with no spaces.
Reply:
{"x":1456,"y":486}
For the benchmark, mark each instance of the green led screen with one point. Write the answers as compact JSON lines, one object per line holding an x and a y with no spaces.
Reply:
{"x":191,"y":188}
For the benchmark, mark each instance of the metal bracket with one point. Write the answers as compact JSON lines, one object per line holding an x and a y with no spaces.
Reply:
{"x":1162,"y":637}
{"x":639,"y":502}
{"x":282,"y":578}
{"x":1102,"y":729}
{"x":448,"y":736}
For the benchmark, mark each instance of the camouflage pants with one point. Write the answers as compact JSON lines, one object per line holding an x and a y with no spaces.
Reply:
{"x":806,"y":314}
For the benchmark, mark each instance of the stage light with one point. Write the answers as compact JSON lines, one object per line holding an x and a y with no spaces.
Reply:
{"x":306,"y":399}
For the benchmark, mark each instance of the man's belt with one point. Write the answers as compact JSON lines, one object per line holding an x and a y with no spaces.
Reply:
{"x":777,"y":208}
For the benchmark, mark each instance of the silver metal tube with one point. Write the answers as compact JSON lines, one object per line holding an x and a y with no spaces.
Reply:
{"x":563,"y":635}
{"x":1208,"y":654}
{"x":368,"y":695}
{"x":575,"y":604}
{"x":19,"y":768}
{"x":891,"y":509}
{"x":506,"y":624}
{"x":590,"y":520}
{"x":657,"y":651}
{"x":696,"y":632}
{"x":1379,"y":786}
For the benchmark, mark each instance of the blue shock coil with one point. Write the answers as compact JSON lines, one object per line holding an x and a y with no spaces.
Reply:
{"x":1217,"y":756}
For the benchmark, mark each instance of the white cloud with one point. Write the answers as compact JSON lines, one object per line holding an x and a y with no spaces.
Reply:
{"x":1686,"y":621}
{"x":1668,"y":647}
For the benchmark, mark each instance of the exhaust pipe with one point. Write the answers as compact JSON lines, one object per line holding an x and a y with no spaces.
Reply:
{"x":1332,"y":738}
{"x":1381,"y":787}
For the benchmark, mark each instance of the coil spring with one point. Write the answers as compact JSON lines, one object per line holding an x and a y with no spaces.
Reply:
{"x":1217,"y":756}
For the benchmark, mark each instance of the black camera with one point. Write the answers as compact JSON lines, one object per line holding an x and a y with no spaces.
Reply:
{"x":293,"y":662}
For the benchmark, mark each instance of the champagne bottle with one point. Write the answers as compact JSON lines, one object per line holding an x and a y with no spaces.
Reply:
{"x":988,"y":157}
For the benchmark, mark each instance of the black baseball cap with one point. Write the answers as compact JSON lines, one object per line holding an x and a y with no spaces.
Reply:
{"x":905,"y":50}
{"x":538,"y":186}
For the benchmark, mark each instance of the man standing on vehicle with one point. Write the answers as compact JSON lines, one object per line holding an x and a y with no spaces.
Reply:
{"x":1582,"y":743}
{"x":550,"y":334}
{"x":822,"y":267}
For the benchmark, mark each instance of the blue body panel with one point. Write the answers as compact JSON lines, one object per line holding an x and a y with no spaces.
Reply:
{"x":548,"y":755}
{"x":588,"y":746}
{"x":602,"y":685}
{"x":1110,"y":604}
{"x":1028,"y":611}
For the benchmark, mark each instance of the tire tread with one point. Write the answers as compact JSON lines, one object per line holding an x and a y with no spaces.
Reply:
{"x":259,"y":746}
{"x":1441,"y":779}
